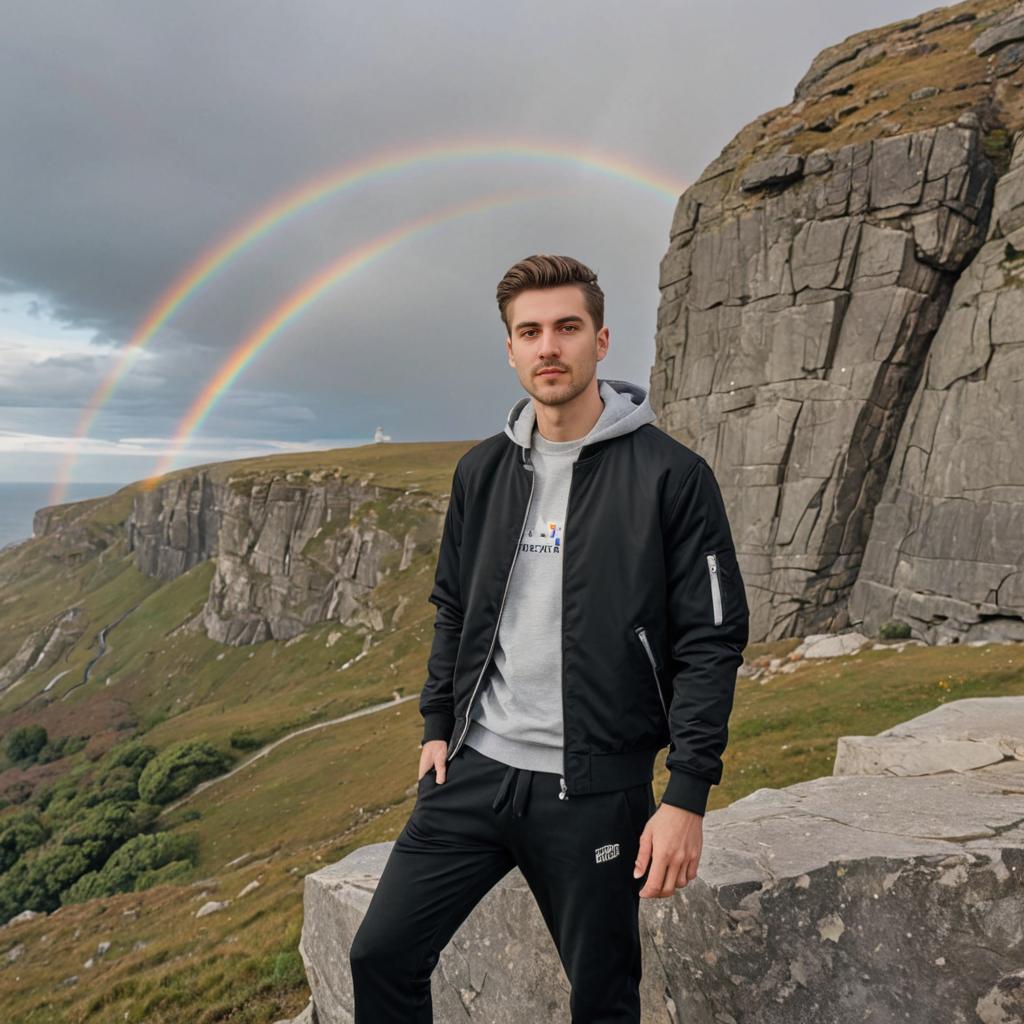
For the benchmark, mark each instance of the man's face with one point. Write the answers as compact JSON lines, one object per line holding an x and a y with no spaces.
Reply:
{"x":552,"y":331}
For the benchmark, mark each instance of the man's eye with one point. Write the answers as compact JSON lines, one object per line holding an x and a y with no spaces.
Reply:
{"x":570,"y":327}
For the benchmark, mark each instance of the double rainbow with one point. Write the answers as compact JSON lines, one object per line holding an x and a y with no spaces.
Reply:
{"x":278,"y":212}
{"x":306,"y":294}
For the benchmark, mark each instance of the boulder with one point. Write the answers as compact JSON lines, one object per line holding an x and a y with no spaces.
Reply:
{"x":892,"y":895}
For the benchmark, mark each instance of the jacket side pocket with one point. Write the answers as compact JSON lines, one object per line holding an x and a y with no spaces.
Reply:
{"x":716,"y":587}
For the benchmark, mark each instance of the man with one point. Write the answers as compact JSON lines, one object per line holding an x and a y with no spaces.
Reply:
{"x":590,"y":609}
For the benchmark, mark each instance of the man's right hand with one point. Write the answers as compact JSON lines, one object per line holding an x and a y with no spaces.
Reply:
{"x":434,"y":754}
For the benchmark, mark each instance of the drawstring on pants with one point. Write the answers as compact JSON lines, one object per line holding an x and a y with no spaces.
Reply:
{"x":523,"y":777}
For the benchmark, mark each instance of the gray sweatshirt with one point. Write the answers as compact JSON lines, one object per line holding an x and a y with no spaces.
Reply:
{"x":517,"y":717}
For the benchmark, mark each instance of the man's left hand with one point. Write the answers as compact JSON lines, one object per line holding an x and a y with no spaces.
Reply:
{"x":672,"y":842}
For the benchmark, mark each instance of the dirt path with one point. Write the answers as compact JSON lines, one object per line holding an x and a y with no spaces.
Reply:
{"x":284,"y":739}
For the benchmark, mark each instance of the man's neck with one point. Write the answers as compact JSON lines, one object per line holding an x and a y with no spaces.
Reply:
{"x":573,"y":420}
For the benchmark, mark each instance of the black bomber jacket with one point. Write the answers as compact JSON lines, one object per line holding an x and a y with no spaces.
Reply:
{"x":654,"y":612}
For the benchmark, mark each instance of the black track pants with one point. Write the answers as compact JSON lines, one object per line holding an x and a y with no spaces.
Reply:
{"x":464,"y":835}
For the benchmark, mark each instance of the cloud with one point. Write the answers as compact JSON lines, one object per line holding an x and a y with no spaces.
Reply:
{"x":138,"y":135}
{"x":206,"y":449}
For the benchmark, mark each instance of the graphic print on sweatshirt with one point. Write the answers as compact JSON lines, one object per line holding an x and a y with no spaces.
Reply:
{"x":544,"y":538}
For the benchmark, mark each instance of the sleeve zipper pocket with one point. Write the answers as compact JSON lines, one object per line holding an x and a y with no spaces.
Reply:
{"x":642,"y":636}
{"x":716,"y":588}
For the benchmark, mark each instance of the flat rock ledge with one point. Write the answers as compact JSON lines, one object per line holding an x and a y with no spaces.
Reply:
{"x":892,"y":890}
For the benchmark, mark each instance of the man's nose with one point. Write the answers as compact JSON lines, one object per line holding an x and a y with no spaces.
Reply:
{"x":549,"y":342}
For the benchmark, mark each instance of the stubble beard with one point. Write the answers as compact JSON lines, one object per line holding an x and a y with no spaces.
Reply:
{"x":565,"y":392}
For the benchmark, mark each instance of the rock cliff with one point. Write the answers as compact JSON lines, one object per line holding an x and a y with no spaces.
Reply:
{"x":808,"y":279}
{"x":291,"y":549}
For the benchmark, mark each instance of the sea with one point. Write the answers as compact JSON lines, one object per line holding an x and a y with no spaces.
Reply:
{"x":19,"y":502}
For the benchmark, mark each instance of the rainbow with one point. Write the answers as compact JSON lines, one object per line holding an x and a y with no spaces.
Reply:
{"x":298,"y":301}
{"x":377,"y":165}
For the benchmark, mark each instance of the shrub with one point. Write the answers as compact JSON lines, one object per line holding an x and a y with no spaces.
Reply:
{"x":18,"y":833}
{"x":247,"y":739}
{"x":25,"y":742}
{"x":131,"y":754}
{"x":894,"y":629}
{"x":143,"y":861}
{"x":62,"y":800}
{"x":285,"y":970}
{"x":102,"y":829}
{"x":75,"y":744}
{"x":37,"y":880}
{"x":176,"y":770}
{"x":52,"y":751}
{"x":120,"y":783}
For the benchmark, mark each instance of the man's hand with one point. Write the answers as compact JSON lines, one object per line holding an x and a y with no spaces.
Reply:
{"x":676,"y":837}
{"x":434,"y":754}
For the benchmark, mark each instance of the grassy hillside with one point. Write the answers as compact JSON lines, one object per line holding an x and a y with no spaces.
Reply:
{"x":315,"y":797}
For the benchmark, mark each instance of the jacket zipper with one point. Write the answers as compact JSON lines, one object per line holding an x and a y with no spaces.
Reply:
{"x":642,"y":634}
{"x":501,"y":607}
{"x":564,"y":790}
{"x":716,"y":590}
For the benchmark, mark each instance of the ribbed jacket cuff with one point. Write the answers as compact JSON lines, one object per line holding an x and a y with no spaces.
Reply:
{"x":687,"y":791}
{"x":437,"y":725}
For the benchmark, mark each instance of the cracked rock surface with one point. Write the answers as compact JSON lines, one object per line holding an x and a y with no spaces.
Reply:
{"x":946,"y":550}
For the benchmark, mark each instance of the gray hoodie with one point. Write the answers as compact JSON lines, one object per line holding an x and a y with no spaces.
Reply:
{"x":517,"y":718}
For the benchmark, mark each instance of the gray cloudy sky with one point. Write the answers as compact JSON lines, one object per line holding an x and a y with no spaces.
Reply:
{"x":137,"y":135}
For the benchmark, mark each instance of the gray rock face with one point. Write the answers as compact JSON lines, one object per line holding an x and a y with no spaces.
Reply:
{"x":838,"y":900}
{"x":946,"y":550}
{"x":776,"y":170}
{"x":44,"y":648}
{"x":175,"y":526}
{"x":290,"y":552}
{"x":792,"y":330}
{"x":957,"y":737}
{"x":1009,"y":29}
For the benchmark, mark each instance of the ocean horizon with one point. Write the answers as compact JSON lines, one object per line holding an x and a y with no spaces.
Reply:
{"x":21,"y":500}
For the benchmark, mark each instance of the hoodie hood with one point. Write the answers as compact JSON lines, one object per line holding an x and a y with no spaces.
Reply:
{"x":626,"y":407}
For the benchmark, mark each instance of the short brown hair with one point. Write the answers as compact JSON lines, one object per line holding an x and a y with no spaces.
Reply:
{"x":544,"y":271}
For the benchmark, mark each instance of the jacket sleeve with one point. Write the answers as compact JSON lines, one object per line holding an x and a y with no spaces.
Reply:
{"x":708,"y":629}
{"x":437,"y":703}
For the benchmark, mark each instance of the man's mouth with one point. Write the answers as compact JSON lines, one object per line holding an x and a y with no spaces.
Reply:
{"x":549,"y":373}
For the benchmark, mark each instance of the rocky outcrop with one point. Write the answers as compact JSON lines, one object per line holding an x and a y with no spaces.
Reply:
{"x":946,"y":550}
{"x":894,"y":895}
{"x":73,"y":533}
{"x":291,"y":549}
{"x":801,"y":296}
{"x":45,"y":647}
